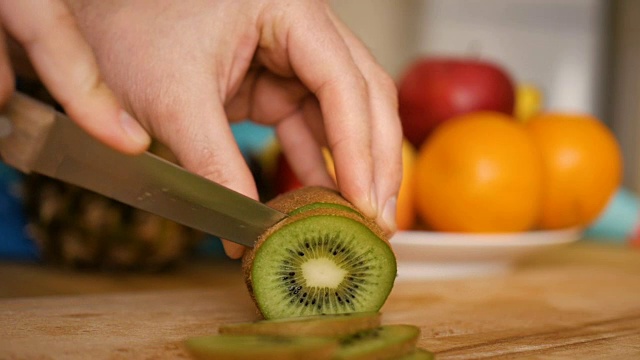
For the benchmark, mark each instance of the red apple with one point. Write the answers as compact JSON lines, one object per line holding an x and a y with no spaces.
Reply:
{"x":285,"y":179}
{"x":433,"y":90}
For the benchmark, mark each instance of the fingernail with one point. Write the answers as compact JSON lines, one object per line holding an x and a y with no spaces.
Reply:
{"x":389,"y":213}
{"x":134,"y":129}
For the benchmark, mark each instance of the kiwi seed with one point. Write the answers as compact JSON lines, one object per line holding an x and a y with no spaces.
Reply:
{"x":386,"y":342}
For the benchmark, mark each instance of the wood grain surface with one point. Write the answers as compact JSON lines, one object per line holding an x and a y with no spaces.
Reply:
{"x":582,"y":301}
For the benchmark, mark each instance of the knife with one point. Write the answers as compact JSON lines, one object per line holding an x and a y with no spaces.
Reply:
{"x":34,"y":137}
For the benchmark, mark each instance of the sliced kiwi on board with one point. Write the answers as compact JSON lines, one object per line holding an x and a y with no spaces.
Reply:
{"x":418,"y":354}
{"x":386,"y":342}
{"x":324,"y":260}
{"x":225,"y":347}
{"x":316,"y":325}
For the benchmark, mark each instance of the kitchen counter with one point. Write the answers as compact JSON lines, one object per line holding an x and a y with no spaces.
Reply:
{"x":579,"y":301}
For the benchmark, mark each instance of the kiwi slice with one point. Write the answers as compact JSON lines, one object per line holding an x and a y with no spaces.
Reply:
{"x":386,"y":342}
{"x":418,"y":354}
{"x":316,"y":325}
{"x":320,"y":261}
{"x":223,"y":347}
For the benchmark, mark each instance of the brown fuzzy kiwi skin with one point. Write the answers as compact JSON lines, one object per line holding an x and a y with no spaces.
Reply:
{"x":292,"y":200}
{"x":295,"y":199}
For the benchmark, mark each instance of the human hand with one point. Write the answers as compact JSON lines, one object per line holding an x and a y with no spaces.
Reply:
{"x":65,"y":63}
{"x":187,"y":68}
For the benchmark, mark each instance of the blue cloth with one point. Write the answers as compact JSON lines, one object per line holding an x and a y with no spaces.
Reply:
{"x":14,"y":242}
{"x":619,"y":220}
{"x":251,"y":137}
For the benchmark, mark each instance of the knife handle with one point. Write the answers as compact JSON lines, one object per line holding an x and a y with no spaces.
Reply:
{"x":24,"y":126}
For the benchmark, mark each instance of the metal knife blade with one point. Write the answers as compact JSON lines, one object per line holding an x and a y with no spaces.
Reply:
{"x":35,"y":137}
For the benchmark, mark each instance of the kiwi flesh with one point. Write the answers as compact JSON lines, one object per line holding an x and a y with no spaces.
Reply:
{"x":234,"y":347}
{"x":386,"y":342}
{"x":316,"y":325}
{"x":324,"y":260}
{"x":418,"y":354}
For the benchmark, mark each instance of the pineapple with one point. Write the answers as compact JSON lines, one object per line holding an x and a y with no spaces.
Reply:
{"x":79,"y":228}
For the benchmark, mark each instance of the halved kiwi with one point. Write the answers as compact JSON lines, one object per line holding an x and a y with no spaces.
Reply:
{"x":323,"y":260}
{"x":223,"y":347}
{"x":386,"y":342}
{"x":316,"y":325}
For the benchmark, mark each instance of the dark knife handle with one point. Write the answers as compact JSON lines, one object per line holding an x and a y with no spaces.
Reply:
{"x":24,"y":126}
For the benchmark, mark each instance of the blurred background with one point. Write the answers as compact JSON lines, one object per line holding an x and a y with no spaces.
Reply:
{"x":582,"y":54}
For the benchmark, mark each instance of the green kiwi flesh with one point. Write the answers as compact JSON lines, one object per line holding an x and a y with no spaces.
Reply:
{"x":318,"y":262}
{"x":418,"y":354}
{"x":386,"y":342}
{"x":224,"y":347}
{"x":316,"y":325}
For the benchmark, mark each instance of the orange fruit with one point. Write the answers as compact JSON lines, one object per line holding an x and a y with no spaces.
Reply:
{"x":582,"y":168}
{"x":480,"y":172}
{"x":406,"y":214}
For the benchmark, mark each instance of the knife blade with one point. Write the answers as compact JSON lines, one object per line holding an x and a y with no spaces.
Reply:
{"x":34,"y":137}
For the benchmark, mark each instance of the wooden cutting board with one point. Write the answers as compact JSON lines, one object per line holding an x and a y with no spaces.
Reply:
{"x":579,"y":302}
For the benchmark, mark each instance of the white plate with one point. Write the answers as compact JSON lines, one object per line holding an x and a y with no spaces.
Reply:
{"x":437,"y":255}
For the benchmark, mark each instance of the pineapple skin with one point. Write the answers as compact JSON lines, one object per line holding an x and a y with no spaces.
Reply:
{"x":78,"y":228}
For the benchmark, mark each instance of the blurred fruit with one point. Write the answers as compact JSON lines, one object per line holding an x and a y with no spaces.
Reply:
{"x":328,"y":159}
{"x":433,"y":90}
{"x":406,"y":212}
{"x":528,"y":102}
{"x":285,"y":179}
{"x":582,"y":168}
{"x":480,"y":172}
{"x":78,"y":228}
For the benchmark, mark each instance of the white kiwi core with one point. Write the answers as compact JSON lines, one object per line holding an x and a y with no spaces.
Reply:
{"x":322,"y":272}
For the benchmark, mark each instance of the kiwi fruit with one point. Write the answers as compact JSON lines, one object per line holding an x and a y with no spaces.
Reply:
{"x":418,"y":354}
{"x":333,"y":337}
{"x":309,"y":195}
{"x":325,"y":206}
{"x":316,"y":325}
{"x":325,"y":258}
{"x":233,"y":347}
{"x":386,"y":342}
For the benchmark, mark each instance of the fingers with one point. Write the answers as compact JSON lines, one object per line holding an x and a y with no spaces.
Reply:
{"x":302,"y":151}
{"x":323,"y":62}
{"x":196,"y":129}
{"x":66,"y":65}
{"x":386,"y":135}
